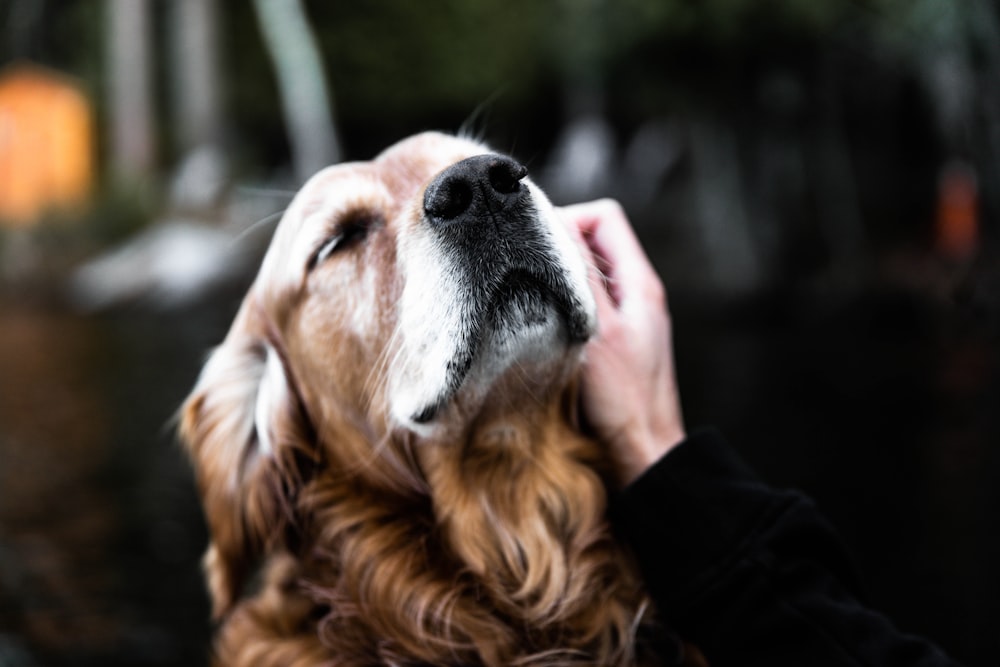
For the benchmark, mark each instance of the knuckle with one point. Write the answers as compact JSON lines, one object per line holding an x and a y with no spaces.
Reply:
{"x":611,"y":207}
{"x":655,"y":292}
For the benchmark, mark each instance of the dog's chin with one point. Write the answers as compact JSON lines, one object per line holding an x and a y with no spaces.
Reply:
{"x":525,"y":307}
{"x":530,"y":335}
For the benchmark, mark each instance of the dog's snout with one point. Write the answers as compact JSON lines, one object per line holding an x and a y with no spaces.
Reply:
{"x":474,"y":189}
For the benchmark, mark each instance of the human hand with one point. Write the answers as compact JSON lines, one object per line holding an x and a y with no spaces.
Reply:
{"x":629,"y":392}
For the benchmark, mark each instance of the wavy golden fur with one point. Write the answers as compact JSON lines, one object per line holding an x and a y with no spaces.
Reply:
{"x":343,"y":534}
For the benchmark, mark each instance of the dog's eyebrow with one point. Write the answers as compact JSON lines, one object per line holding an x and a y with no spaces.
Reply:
{"x":342,"y":193}
{"x":314,"y":206}
{"x":335,"y":220}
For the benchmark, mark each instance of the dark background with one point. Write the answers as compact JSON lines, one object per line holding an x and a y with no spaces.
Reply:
{"x":792,"y":167}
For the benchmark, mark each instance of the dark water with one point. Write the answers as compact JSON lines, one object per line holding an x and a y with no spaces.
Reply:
{"x":883,"y":406}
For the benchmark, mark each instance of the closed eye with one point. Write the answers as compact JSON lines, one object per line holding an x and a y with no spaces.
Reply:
{"x":350,"y":230}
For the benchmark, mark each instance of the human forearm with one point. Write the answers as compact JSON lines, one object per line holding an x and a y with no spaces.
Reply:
{"x":750,"y":574}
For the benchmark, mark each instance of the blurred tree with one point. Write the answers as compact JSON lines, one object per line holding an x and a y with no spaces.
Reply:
{"x":305,"y":98}
{"x":131,"y":122}
{"x":197,"y":90}
{"x":201,"y":177}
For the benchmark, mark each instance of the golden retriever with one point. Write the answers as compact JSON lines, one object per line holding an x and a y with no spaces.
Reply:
{"x":386,"y":444}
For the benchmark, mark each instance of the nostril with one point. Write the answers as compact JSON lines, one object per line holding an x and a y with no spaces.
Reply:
{"x":505,"y":176}
{"x":449,"y":198}
{"x":474,"y":187}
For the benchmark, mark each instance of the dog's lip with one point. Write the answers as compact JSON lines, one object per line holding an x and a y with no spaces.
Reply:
{"x":546,"y":290}
{"x":521,"y":281}
{"x":548,"y":287}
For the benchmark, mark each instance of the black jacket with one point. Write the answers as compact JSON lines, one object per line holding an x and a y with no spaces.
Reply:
{"x":751,"y":575}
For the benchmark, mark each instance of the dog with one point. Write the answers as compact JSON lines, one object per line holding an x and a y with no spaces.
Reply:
{"x":386,"y":442}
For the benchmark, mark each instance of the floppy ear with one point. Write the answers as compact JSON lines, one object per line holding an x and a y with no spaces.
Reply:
{"x":242,"y":427}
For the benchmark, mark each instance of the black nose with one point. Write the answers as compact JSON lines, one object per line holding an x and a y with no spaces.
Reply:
{"x":477,"y":188}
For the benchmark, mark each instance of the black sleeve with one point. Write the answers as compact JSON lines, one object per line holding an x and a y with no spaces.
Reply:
{"x":751,"y":575}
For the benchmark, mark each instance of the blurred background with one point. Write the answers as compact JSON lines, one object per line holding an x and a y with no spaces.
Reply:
{"x":815,"y":180}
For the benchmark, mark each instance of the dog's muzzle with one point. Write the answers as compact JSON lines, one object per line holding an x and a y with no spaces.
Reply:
{"x":506,"y":289}
{"x":485,"y":217}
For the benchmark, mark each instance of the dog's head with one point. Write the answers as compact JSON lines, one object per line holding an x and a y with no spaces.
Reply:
{"x":402,"y":300}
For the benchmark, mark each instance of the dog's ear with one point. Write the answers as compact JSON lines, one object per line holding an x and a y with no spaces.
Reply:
{"x":243,"y":428}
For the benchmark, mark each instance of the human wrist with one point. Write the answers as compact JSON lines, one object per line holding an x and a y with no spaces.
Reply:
{"x":640,"y":448}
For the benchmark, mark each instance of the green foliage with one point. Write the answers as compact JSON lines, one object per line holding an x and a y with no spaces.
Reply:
{"x":392,"y":57}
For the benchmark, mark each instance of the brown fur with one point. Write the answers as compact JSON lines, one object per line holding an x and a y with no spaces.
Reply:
{"x":483,"y":544}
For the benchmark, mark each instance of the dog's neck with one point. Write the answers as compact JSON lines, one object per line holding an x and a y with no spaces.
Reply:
{"x":521,"y":504}
{"x":509,"y":557}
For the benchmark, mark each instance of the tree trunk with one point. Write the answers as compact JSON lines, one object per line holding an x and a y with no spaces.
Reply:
{"x":197,"y":102}
{"x":305,"y":98}
{"x":130,"y":108}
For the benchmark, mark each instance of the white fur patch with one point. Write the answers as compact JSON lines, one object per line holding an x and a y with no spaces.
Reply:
{"x":272,"y":393}
{"x":431,"y":314}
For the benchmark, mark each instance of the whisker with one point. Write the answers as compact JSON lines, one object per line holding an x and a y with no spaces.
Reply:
{"x":521,"y":374}
{"x":264,"y":192}
{"x":474,"y":126}
{"x":377,"y":375}
{"x":257,"y":224}
{"x":605,"y":277}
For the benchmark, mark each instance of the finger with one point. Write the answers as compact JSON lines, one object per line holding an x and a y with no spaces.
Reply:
{"x":596,"y":278}
{"x":617,"y":251}
{"x":580,"y":219}
{"x":583,"y":219}
{"x":607,"y":304}
{"x":614,"y":240}
{"x":604,"y":217}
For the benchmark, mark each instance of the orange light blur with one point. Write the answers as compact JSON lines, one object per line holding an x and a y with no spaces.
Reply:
{"x":46,"y":144}
{"x":957,"y":222}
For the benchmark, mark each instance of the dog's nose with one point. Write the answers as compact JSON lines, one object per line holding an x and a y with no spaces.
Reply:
{"x":480,"y":187}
